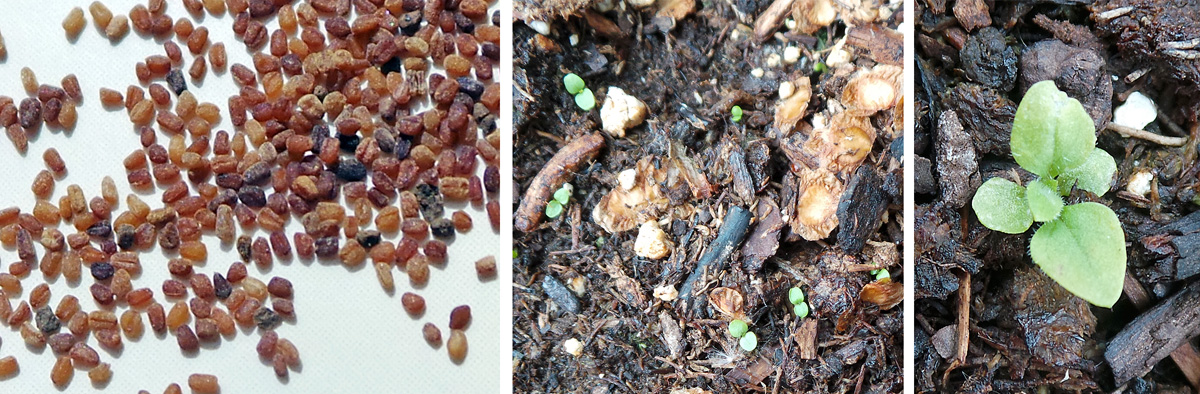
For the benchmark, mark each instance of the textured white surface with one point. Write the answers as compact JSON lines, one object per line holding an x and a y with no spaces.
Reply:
{"x":352,"y":336}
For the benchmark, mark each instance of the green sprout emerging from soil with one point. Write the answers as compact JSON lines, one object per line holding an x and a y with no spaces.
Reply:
{"x":736,"y":113}
{"x":583,"y":96}
{"x":799,"y":307}
{"x":561,"y":197}
{"x":1081,"y":246}
{"x":739,"y":329}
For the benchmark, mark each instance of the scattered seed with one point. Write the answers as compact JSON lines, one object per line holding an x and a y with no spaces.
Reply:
{"x":457,"y":346}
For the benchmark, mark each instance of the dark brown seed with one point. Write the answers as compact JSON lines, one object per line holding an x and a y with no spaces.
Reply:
{"x":266,"y":344}
{"x":280,"y":287}
{"x":460,"y":317}
{"x":432,"y":334}
{"x":30,"y":114}
{"x":186,"y":338}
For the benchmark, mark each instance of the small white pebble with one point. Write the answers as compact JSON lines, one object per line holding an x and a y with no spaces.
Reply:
{"x":786,"y":89}
{"x":620,"y":112}
{"x":791,"y":55}
{"x":699,"y":100}
{"x":790,"y":23}
{"x":666,"y":293}
{"x":1137,"y":112}
{"x":573,"y":347}
{"x":542,"y":28}
{"x":627,"y":178}
{"x":652,"y":242}
{"x":837,"y":57}
{"x":773,"y":60}
{"x":1139,"y":183}
{"x":578,"y":285}
{"x":757,"y":73}
{"x":574,"y":38}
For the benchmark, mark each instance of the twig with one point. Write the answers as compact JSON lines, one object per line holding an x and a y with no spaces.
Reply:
{"x":1166,"y":120}
{"x":1127,"y":132}
{"x":1185,"y":356}
{"x":733,"y":230}
{"x":964,"y":317}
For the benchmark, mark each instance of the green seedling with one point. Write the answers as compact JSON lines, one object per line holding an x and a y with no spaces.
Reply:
{"x":514,"y":253}
{"x":801,"y":310}
{"x":881,"y":274}
{"x":795,"y":295}
{"x":738,"y":328}
{"x":553,"y":209}
{"x":563,"y":194}
{"x":585,"y":100}
{"x":573,"y":83}
{"x":736,"y":113}
{"x":820,"y":67}
{"x":1080,"y":246}
{"x":749,"y":341}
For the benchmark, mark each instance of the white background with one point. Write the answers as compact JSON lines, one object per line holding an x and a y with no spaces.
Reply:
{"x":352,"y":336}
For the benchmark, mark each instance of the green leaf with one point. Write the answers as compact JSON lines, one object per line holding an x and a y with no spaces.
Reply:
{"x":1051,"y":133}
{"x":1000,"y":205}
{"x":553,"y":209}
{"x":1084,"y":251}
{"x":585,"y":100}
{"x":736,"y":113}
{"x":1043,"y":198}
{"x":563,"y":194}
{"x":882,"y":274}
{"x":749,"y":341}
{"x":738,"y":328}
{"x":795,"y":295}
{"x":573,"y":83}
{"x":801,"y":310}
{"x":1094,"y":175}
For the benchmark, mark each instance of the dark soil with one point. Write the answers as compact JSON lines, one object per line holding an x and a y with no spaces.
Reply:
{"x":1025,"y":332}
{"x":575,"y":280}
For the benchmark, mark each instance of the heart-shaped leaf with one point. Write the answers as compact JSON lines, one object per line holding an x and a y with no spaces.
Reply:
{"x":1051,"y":132}
{"x":1094,"y":175}
{"x":1043,"y":198}
{"x":1000,"y":205}
{"x":1084,"y":251}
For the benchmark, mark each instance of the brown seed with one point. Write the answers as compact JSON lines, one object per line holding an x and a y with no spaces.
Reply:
{"x":29,"y":80}
{"x":280,"y":287}
{"x":413,"y":304}
{"x":383,"y":271}
{"x":432,"y":334}
{"x":100,"y":374}
{"x":117,"y":28}
{"x":457,"y":346}
{"x":485,"y":268}
{"x":8,"y":367}
{"x":352,"y":254}
{"x":157,"y":317}
{"x":83,"y":355}
{"x":74,"y":23}
{"x":255,"y":288}
{"x":62,"y":372}
{"x":460,"y":317}
{"x":131,"y":324}
{"x":186,"y":338}
{"x":204,"y":384}
{"x":43,"y":184}
{"x":462,"y":221}
{"x":100,"y":14}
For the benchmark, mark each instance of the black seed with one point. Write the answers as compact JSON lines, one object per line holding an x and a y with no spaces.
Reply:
{"x":465,"y":24}
{"x":221,"y":286}
{"x":46,"y":321}
{"x":252,"y":196}
{"x":176,"y":82}
{"x":100,"y":229}
{"x":393,"y":65}
{"x":224,"y":197}
{"x":368,"y":238}
{"x":403,"y":146}
{"x":351,"y":170}
{"x":257,"y":174}
{"x":471,"y":87}
{"x":348,"y":142}
{"x":430,"y":200}
{"x":126,"y":236}
{"x":102,"y":270}
{"x":441,"y":227}
{"x":319,"y":133}
{"x":410,"y":22}
{"x":491,"y":179}
{"x":266,"y":318}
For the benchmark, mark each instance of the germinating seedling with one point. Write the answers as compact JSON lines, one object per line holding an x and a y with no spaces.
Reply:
{"x":799,"y":307}
{"x":736,"y":113}
{"x":561,"y":197}
{"x":1080,"y":246}
{"x":576,"y":87}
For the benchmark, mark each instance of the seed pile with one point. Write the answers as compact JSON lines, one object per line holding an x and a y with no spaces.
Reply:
{"x":328,"y":109}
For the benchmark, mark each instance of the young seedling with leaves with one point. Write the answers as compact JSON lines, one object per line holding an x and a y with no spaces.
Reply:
{"x":1080,"y":246}
{"x":561,"y":197}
